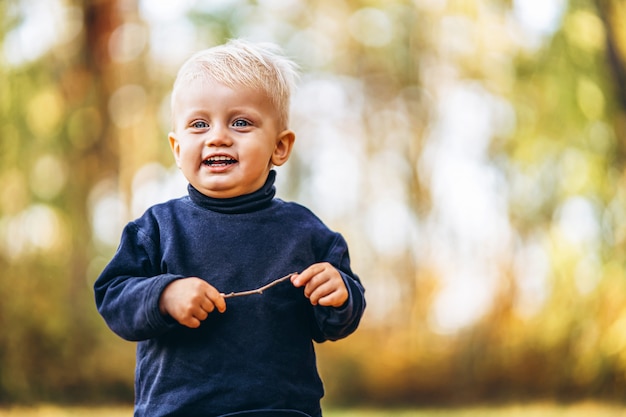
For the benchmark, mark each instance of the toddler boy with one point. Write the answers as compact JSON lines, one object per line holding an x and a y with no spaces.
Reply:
{"x":165,"y":287}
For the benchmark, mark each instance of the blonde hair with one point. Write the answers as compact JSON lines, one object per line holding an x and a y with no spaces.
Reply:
{"x":240,"y":63}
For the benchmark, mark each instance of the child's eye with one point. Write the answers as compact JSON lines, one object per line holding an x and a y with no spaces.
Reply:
{"x":241,"y":123}
{"x":200,"y":125}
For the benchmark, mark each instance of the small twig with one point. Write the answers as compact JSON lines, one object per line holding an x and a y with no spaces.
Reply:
{"x":260,"y":289}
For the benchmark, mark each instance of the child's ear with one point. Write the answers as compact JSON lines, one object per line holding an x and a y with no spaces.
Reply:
{"x":284,"y":145}
{"x":175,"y":147}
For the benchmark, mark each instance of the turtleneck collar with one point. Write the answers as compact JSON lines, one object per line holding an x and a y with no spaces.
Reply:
{"x":246,"y":203}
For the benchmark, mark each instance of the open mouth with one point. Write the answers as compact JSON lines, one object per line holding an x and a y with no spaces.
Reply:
{"x":219,"y":161}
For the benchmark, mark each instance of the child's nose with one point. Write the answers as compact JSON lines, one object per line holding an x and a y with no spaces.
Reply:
{"x":218,"y":135}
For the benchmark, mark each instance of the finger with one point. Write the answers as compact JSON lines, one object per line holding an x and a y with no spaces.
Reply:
{"x":220,"y":303}
{"x":316,"y":293}
{"x":216,"y":299}
{"x":208,"y":306}
{"x":305,"y":276}
{"x":320,"y":282}
{"x":334,"y":299}
{"x":300,"y":280}
{"x":191,"y":322}
{"x":202,"y":313}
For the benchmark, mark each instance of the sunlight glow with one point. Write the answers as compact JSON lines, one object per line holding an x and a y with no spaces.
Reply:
{"x":45,"y":111}
{"x":172,"y":36}
{"x":371,"y":27}
{"x":108,"y":213}
{"x":577,"y":220}
{"x":153,"y":184}
{"x":127,"y":42}
{"x":161,"y":10}
{"x":531,"y":268}
{"x":538,"y":18}
{"x":34,"y":230}
{"x":469,"y":227}
{"x":48,"y":177}
{"x":390,"y":226}
{"x":44,"y":24}
{"x":127,"y":105}
{"x":332,"y":151}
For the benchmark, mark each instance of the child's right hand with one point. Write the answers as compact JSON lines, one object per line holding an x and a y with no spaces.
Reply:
{"x":190,"y":300}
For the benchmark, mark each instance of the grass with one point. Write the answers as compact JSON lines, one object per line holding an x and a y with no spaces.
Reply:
{"x":54,"y":411}
{"x":527,"y":410}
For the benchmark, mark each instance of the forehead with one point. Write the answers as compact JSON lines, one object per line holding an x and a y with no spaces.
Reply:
{"x":209,"y":97}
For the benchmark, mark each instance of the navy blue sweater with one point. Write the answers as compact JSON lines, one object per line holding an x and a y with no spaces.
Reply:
{"x":259,"y":353}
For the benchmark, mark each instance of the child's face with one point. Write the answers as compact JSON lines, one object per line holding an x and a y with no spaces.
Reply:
{"x":226,"y":140}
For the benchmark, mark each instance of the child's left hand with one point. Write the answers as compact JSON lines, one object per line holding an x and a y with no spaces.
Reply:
{"x":323,"y":285}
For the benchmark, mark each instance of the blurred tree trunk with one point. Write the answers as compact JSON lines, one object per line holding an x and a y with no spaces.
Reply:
{"x":88,"y":82}
{"x":99,"y":160}
{"x":102,"y":161}
{"x":613,"y":14}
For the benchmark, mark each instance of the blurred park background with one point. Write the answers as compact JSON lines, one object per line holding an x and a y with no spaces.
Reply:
{"x":472,"y":152}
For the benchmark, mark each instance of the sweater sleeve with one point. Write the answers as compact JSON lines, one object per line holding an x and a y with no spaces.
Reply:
{"x":334,"y":323}
{"x":128,"y":290}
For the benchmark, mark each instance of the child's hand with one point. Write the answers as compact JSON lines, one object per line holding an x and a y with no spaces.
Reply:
{"x":190,"y":300}
{"x":323,"y":285}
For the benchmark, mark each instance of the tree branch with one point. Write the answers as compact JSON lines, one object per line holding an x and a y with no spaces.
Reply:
{"x":260,"y":289}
